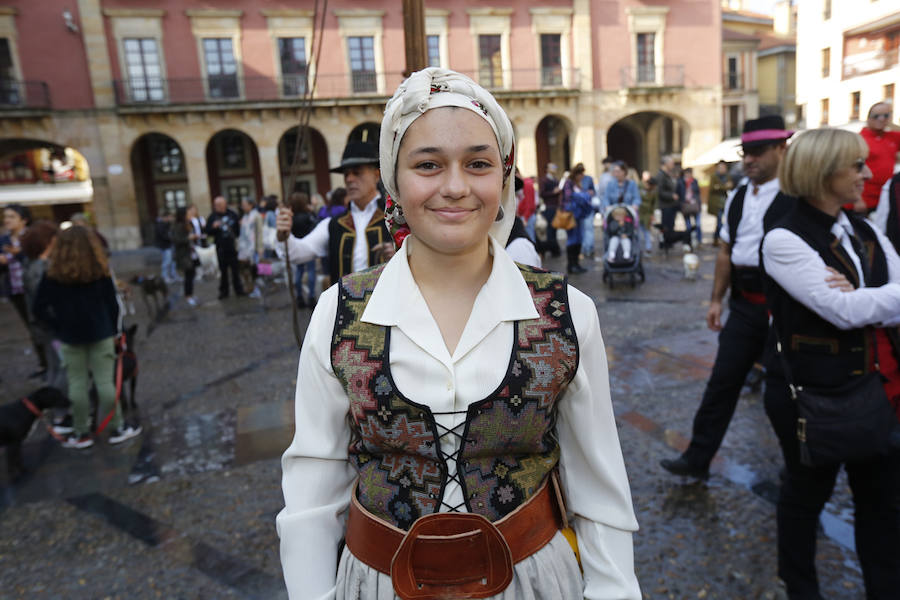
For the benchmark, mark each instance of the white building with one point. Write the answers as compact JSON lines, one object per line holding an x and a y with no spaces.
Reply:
{"x":847,"y":59}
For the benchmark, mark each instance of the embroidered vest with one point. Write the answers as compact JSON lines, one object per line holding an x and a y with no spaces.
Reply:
{"x":342,"y":237}
{"x":508,"y":445}
{"x":818,"y":352}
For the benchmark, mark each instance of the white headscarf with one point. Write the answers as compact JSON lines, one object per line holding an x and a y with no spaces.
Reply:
{"x":435,"y":88}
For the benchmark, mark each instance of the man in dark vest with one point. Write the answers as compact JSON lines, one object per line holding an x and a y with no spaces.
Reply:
{"x":749,"y":211}
{"x":887,"y":215}
{"x":355,"y":240}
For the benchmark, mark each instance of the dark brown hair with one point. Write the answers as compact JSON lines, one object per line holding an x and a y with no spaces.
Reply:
{"x":37,"y":237}
{"x":299,"y":202}
{"x":77,"y":257}
{"x":338,"y":197}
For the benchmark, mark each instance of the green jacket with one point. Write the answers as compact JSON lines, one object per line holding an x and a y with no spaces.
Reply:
{"x":648,"y":205}
{"x":719,"y":186}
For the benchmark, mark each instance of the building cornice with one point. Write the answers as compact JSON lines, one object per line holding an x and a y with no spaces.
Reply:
{"x":287,"y":12}
{"x":646,"y":10}
{"x":133,"y":13}
{"x":358,"y":12}
{"x":213,"y":13}
{"x":489,"y":11}
{"x":8,"y":10}
{"x":436,"y":12}
{"x":551,"y":10}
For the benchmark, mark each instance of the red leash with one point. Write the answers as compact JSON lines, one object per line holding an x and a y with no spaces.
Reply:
{"x":37,"y":412}
{"x":120,"y":343}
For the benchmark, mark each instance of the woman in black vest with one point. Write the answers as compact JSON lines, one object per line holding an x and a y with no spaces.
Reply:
{"x":833,"y":287}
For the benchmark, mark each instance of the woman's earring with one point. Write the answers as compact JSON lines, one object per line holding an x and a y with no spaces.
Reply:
{"x":499,"y":215}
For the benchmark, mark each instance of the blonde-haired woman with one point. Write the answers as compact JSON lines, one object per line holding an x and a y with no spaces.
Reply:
{"x":440,"y":395}
{"x":77,"y":299}
{"x":833,"y":287}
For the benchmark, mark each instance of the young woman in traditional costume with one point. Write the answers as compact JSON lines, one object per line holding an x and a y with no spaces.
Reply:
{"x":449,"y":399}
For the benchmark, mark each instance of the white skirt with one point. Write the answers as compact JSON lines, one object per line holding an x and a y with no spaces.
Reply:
{"x":551,"y":573}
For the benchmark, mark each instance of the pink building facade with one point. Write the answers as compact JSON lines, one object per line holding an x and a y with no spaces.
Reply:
{"x":175,"y":102}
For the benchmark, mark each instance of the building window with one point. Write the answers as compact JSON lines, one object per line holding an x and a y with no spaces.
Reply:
{"x":433,"y":44}
{"x":221,"y":68}
{"x":143,"y":70}
{"x":871,"y":52}
{"x":646,"y":57}
{"x":733,"y":80}
{"x":165,"y":155}
{"x":854,"y":106}
{"x":826,"y":62}
{"x":174,"y":199}
{"x":889,"y":92}
{"x":490,"y":65}
{"x":826,"y":9}
{"x":362,"y":63}
{"x":733,"y":121}
{"x":551,"y":59}
{"x":823,"y":118}
{"x":234,"y":155}
{"x":292,"y":52}
{"x":9,"y":89}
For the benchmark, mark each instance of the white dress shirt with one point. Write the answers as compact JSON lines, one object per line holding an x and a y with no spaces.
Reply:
{"x":745,"y":252}
{"x":315,"y":243}
{"x":522,"y":251}
{"x":317,"y":477}
{"x":801,"y":272}
{"x":880,"y":215}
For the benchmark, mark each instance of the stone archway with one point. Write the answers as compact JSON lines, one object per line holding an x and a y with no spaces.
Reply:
{"x":232,"y":163}
{"x":160,"y":179}
{"x":311,"y":174}
{"x":640,"y":139}
{"x":552,"y":140}
{"x":27,"y":166}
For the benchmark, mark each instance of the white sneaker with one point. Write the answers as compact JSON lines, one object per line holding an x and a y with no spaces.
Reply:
{"x":192,"y":301}
{"x":74,"y":440}
{"x":117,"y":436}
{"x":255,"y":293}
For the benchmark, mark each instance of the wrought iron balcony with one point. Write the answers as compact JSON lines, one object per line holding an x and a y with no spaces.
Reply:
{"x":650,"y":76}
{"x":18,"y":95}
{"x":226,"y":89}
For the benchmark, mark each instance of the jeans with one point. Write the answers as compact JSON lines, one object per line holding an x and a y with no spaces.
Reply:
{"x":189,"y":282}
{"x":718,"y":225}
{"x":228,"y":262}
{"x":97,"y":360}
{"x":688,"y":219}
{"x":587,"y":232}
{"x":529,"y":227}
{"x":647,"y":236}
{"x":310,"y":269}
{"x":167,"y":270}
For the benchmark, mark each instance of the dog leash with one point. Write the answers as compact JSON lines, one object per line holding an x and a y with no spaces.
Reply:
{"x":39,"y":414}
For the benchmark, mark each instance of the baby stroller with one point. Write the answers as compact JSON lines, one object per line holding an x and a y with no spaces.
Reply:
{"x":620,"y":233}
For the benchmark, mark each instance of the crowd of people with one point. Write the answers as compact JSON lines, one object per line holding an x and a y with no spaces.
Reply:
{"x":428,"y":412}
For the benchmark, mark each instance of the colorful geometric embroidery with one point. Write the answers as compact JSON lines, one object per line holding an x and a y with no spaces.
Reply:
{"x":508,"y":447}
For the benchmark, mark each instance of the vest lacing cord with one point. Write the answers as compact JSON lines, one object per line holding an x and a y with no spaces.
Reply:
{"x":454,"y":456}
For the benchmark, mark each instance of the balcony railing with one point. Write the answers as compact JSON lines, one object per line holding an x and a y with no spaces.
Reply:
{"x":653,"y":76}
{"x":24,"y":95}
{"x":165,"y":92}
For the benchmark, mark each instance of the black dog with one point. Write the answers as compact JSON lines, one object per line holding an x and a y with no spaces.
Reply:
{"x":129,"y":375}
{"x":16,"y":420}
{"x":152,"y":288}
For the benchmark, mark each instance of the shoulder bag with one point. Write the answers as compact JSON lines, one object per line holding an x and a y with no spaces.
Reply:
{"x":849,"y":423}
{"x":563,"y":219}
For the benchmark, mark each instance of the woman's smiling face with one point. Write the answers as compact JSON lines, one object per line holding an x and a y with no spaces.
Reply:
{"x":449,"y":179}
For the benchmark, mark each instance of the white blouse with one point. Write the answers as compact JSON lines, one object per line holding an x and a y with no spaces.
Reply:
{"x":318,"y":478}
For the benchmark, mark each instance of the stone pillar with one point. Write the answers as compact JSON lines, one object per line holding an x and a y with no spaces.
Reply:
{"x":582,"y":46}
{"x":94,"y":36}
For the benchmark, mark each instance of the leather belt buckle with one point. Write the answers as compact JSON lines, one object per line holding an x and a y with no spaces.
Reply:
{"x":451,"y":555}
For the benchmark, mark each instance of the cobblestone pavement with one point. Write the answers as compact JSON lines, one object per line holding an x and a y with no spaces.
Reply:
{"x":187,"y":510}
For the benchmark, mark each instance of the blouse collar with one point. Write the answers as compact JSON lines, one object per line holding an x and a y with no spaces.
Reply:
{"x":398,"y":302}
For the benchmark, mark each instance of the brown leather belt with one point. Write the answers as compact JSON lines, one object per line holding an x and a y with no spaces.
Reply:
{"x":458,"y":555}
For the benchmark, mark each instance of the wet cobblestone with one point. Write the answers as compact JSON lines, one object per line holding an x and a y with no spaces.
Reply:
{"x":187,"y":510}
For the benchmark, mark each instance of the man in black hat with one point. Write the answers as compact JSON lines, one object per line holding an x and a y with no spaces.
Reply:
{"x":750,"y":211}
{"x":337,"y":237}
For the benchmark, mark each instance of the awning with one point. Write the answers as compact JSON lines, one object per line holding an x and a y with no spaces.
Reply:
{"x":39,"y":194}
{"x":726,"y":150}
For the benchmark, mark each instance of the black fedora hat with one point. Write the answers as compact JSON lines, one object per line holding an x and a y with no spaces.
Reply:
{"x":764,"y":130}
{"x":356,"y":154}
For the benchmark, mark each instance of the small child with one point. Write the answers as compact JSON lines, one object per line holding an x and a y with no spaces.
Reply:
{"x":619,"y":229}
